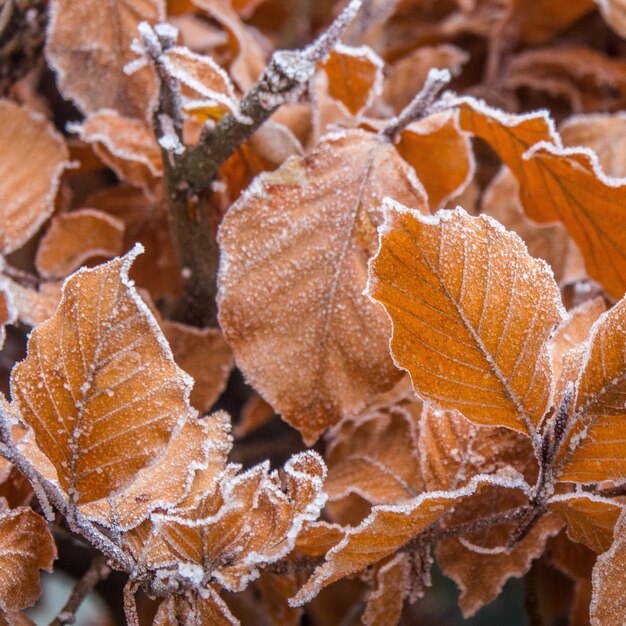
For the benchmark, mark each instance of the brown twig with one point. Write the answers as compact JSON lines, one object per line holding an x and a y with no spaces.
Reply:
{"x":98,"y":570}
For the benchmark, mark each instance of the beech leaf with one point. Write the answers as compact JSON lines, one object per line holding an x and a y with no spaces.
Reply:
{"x":471,"y":313}
{"x":99,"y":386}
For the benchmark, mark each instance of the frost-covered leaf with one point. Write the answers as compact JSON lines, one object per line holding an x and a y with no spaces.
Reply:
{"x":385,"y":600}
{"x":32,"y":160}
{"x":355,"y":76}
{"x":590,"y":519}
{"x":550,"y":242}
{"x":236,"y":526}
{"x":291,"y":302}
{"x":254,"y":414}
{"x":387,"y":529}
{"x":375,"y":456}
{"x":88,"y":45}
{"x":32,"y":306}
{"x":471,"y":313}
{"x":75,"y":237}
{"x":127,"y":145}
{"x":556,"y":183}
{"x":26,"y":546}
{"x":8,"y":312}
{"x":593,"y":444}
{"x":208,"y":84}
{"x":201,"y":445}
{"x":205,"y":356}
{"x":193,"y":608}
{"x":99,"y":386}
{"x":440,"y":155}
{"x":609,"y":578}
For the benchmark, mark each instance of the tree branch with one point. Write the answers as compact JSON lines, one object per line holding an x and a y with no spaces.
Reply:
{"x":98,"y":570}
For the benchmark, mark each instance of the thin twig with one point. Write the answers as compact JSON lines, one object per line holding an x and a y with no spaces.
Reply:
{"x":98,"y":570}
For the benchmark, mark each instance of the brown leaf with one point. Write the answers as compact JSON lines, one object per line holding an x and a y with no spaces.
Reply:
{"x":591,"y":448}
{"x":440,"y":155}
{"x":590,"y":519}
{"x":386,"y":599}
{"x":355,"y":76}
{"x":75,"y":237}
{"x":8,"y":312}
{"x":550,"y":242}
{"x":27,"y":192}
{"x":254,"y":414}
{"x":192,"y":608}
{"x":88,"y":45}
{"x":32,"y":306}
{"x":127,"y":145}
{"x":559,"y":184}
{"x":205,"y":356}
{"x":291,"y":302}
{"x":99,"y":386}
{"x":26,"y":546}
{"x":471,"y":313}
{"x":609,"y":577}
{"x":375,"y":455}
{"x":386,"y":530}
{"x":275,"y":590}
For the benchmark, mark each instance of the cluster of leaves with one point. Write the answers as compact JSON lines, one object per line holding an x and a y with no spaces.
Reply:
{"x":198,"y":201}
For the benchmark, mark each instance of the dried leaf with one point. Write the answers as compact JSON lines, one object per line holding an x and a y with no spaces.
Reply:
{"x":440,"y":155}
{"x":291,"y":302}
{"x":590,"y":519}
{"x":192,"y":608}
{"x":254,"y":414}
{"x":614,"y":12}
{"x":127,"y":145}
{"x":205,"y":356}
{"x":375,"y":456}
{"x":32,"y":307}
{"x":386,"y":530}
{"x":563,"y":184}
{"x":75,"y":237}
{"x":355,"y":76}
{"x":88,"y":45}
{"x":8,"y":312}
{"x":385,"y":601}
{"x":27,"y":192}
{"x":26,"y":546}
{"x":591,"y":448}
{"x":471,"y":313}
{"x":608,"y":579}
{"x":99,"y":386}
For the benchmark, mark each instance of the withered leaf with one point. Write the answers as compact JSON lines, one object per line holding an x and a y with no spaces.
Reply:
{"x":590,"y":519}
{"x":99,"y":386}
{"x":291,"y":302}
{"x":591,"y":449}
{"x":355,"y":76}
{"x":563,"y":184}
{"x":440,"y":155}
{"x":608,"y":579}
{"x":387,"y":529}
{"x":471,"y":313}
{"x":26,"y":546}
{"x":75,"y":237}
{"x":32,"y":306}
{"x":614,"y":12}
{"x":192,"y":608}
{"x":8,"y":312}
{"x":385,"y":601}
{"x":127,"y":145}
{"x":88,"y":45}
{"x":27,"y":192}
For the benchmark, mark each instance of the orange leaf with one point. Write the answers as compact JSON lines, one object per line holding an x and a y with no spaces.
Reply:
{"x":291,"y":302}
{"x":88,"y":45}
{"x":592,"y":446}
{"x":590,"y":519}
{"x":99,"y":386}
{"x":609,"y":578}
{"x":440,"y":155}
{"x":385,"y":601}
{"x":355,"y":76}
{"x":8,"y":312}
{"x":614,"y":12}
{"x":27,"y":192}
{"x":193,"y":608}
{"x":31,"y":306}
{"x":471,"y":313}
{"x":125,"y":144}
{"x":387,"y":529}
{"x":556,"y":183}
{"x":75,"y":237}
{"x":26,"y":546}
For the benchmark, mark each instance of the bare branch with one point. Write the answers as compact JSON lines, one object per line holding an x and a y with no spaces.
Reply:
{"x":98,"y":570}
